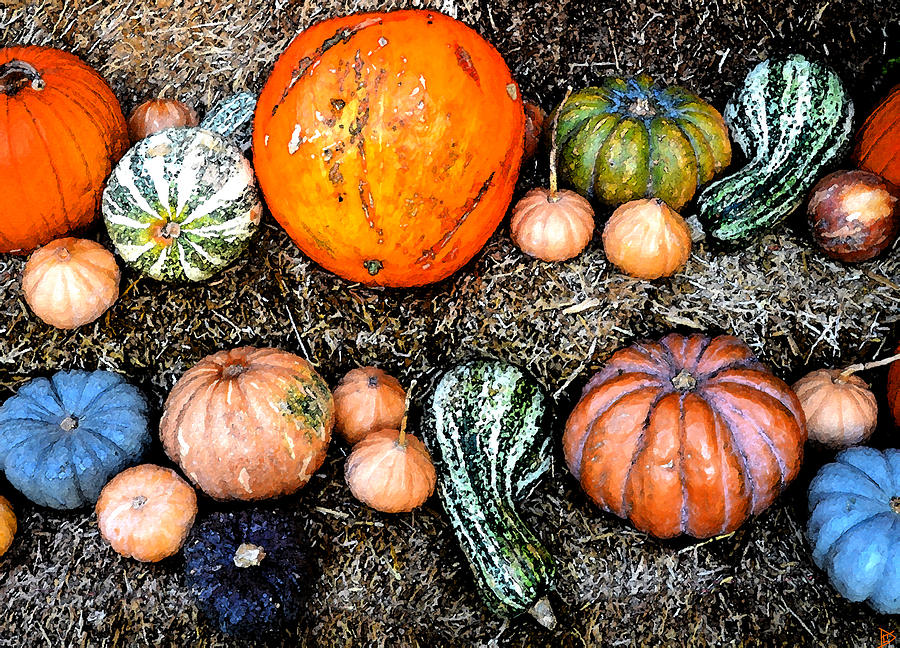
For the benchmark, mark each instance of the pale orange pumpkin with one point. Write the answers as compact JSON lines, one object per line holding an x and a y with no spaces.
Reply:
{"x":8,"y":525}
{"x":366,"y":400}
{"x":158,"y":114}
{"x":840,"y":409}
{"x":71,"y":282}
{"x":391,"y":471}
{"x":249,"y":423}
{"x":146,"y":512}
{"x":647,"y":239}
{"x":552,"y":226}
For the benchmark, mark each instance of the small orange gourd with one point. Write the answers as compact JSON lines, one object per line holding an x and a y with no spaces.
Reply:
{"x":146,"y":512}
{"x":391,"y":471}
{"x":155,"y":115}
{"x":840,"y":409}
{"x":71,"y":282}
{"x":647,"y":239}
{"x":549,"y":224}
{"x":8,"y":525}
{"x":367,"y":400}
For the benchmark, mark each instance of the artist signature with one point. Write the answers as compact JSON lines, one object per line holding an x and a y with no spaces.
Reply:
{"x":887,"y":639}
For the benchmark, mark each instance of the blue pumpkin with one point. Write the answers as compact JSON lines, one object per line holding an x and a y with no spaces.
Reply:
{"x":854,"y":526}
{"x":62,"y":439}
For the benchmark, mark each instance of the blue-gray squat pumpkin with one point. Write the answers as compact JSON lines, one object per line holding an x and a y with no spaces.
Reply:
{"x":854,"y":526}
{"x":247,"y":570}
{"x":63,"y":438}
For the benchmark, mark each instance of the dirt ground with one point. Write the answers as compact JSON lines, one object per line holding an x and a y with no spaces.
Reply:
{"x":401,"y":580}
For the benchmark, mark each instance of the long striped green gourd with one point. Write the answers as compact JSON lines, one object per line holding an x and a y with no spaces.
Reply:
{"x":792,"y":119}
{"x":182,"y":204}
{"x":487,"y":428}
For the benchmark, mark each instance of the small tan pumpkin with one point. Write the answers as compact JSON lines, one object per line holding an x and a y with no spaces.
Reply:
{"x":840,"y":409}
{"x":647,"y":239}
{"x":146,"y":512}
{"x":367,"y":400}
{"x":391,"y":471}
{"x":8,"y":525}
{"x":71,"y":282}
{"x":159,"y":114}
{"x":552,"y":227}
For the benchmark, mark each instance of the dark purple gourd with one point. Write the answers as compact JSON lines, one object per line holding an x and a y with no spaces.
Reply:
{"x":248,"y":571}
{"x":62,"y":439}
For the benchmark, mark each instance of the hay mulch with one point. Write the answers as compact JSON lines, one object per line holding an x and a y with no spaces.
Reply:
{"x":401,"y":580}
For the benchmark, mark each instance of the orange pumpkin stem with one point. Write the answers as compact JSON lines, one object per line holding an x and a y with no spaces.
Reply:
{"x":852,"y":369}
{"x":17,"y":74}
{"x":554,"y":185}
{"x":401,"y":438}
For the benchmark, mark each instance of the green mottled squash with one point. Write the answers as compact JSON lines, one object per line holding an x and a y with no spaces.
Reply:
{"x":182,"y":204}
{"x":792,"y":118}
{"x":487,"y":428}
{"x":633,"y":138}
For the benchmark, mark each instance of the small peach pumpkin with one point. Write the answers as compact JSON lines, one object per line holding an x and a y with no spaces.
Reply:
{"x":647,"y":239}
{"x":366,"y":400}
{"x":8,"y":525}
{"x":840,"y":408}
{"x":158,"y":114}
{"x":552,"y":226}
{"x":391,"y":471}
{"x":146,"y":512}
{"x":71,"y":282}
{"x":248,"y":424}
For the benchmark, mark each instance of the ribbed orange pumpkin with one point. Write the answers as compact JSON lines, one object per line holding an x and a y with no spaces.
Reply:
{"x":248,"y":423}
{"x":388,"y":145}
{"x":690,"y":434}
{"x":878,"y":141}
{"x":8,"y":525}
{"x":62,"y":134}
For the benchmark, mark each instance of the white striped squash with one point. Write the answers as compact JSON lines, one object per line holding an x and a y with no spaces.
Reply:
{"x":182,"y":204}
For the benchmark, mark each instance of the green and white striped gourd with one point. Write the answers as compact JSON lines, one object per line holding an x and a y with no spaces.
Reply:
{"x":233,"y":117}
{"x":182,"y":204}
{"x":792,"y":118}
{"x":488,"y":430}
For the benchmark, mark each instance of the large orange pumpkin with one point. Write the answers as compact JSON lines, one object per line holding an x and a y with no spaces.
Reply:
{"x":62,"y":134}
{"x":388,"y":145}
{"x":249,"y":423}
{"x":687,"y":435}
{"x":878,"y":141}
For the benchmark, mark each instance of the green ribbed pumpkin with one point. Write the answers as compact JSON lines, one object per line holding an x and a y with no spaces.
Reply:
{"x":633,"y":138}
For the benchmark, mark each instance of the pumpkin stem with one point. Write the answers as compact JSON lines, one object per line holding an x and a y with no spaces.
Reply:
{"x":864,"y":366}
{"x":543,"y":613}
{"x":138,"y":502}
{"x":373,"y":266}
{"x":401,"y":438}
{"x":16,"y":75}
{"x":684,"y":381}
{"x":233,"y":370}
{"x":170,"y":230}
{"x":63,"y":254}
{"x":248,"y":555}
{"x":69,"y":423}
{"x":642,"y":108}
{"x":554,"y":186}
{"x":895,"y":504}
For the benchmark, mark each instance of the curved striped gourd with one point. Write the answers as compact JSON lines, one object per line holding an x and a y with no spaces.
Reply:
{"x":182,"y":204}
{"x":487,"y":430}
{"x":792,"y":119}
{"x":233,"y":117}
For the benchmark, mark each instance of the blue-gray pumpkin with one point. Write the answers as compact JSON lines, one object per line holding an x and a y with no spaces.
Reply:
{"x":854,"y":526}
{"x":62,"y":439}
